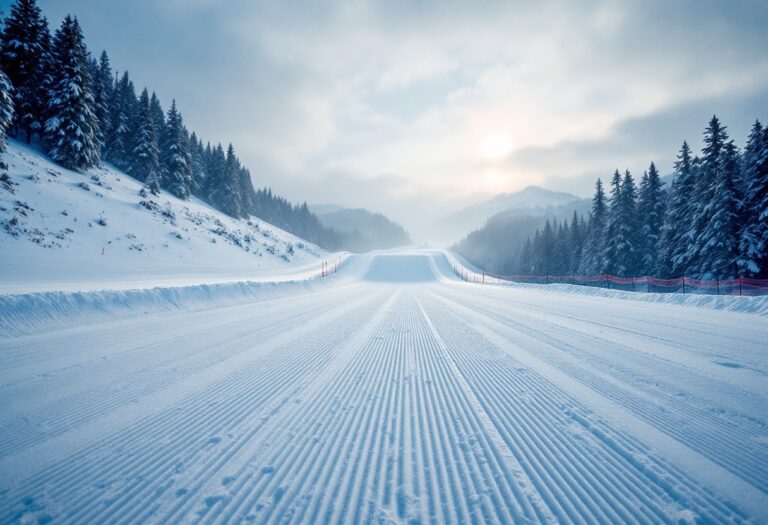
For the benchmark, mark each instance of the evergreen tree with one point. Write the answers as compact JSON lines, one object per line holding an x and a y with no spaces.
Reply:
{"x":720,"y":239}
{"x":613,"y":227}
{"x":145,"y":164}
{"x":592,"y":261}
{"x":537,"y":263}
{"x":103,"y":96}
{"x":651,"y":205}
{"x":234,"y":205}
{"x":676,"y":234}
{"x":560,"y":251}
{"x":753,"y":241}
{"x":215,"y":159}
{"x":621,"y":229}
{"x":715,"y":138}
{"x":119,"y":142}
{"x":197,"y":164}
{"x":547,"y":248}
{"x":760,"y":187}
{"x":72,"y":127}
{"x":158,"y":116}
{"x":176,"y":169}
{"x":576,"y":244}
{"x":24,"y":47}
{"x":630,"y":226}
{"x":525,"y":264}
{"x":223,"y":183}
{"x":248,"y":197}
{"x":6,"y":111}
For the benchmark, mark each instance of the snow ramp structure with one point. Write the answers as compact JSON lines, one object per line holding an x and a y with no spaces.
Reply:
{"x":388,"y":391}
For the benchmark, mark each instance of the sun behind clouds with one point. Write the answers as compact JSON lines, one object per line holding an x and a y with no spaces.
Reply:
{"x":496,"y":146}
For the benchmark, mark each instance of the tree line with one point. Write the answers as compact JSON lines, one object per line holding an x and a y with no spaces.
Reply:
{"x":53,"y":90}
{"x":711,"y":223}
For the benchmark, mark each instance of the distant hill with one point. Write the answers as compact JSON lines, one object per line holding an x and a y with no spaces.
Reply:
{"x":360,"y":230}
{"x":496,"y":246}
{"x":533,"y":199}
{"x":317,"y":209}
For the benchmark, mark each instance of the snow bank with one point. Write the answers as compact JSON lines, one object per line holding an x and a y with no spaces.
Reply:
{"x":25,"y":313}
{"x":752,"y":305}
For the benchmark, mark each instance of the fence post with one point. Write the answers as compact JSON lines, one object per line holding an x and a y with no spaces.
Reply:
{"x":740,"y":286}
{"x":683,"y":284}
{"x":547,"y":277}
{"x":718,"y":285}
{"x":483,"y":277}
{"x":607,"y":282}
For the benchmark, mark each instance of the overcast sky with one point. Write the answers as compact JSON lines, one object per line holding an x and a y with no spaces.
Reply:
{"x":418,"y":108}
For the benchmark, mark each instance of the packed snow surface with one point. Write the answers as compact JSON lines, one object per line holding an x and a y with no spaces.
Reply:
{"x":388,"y":392}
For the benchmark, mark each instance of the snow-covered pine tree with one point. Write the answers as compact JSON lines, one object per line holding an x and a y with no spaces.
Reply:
{"x":232,"y":184}
{"x":753,"y":241}
{"x":651,"y":205}
{"x":122,"y":110}
{"x":547,"y":248}
{"x":158,"y":115}
{"x":197,"y":157}
{"x":761,"y":186}
{"x":223,"y":183}
{"x":576,"y":243}
{"x":678,"y":220}
{"x":720,"y":239}
{"x":537,"y":265}
{"x":145,"y":164}
{"x":72,"y":128}
{"x":24,"y":47}
{"x":628,"y":241}
{"x":214,"y":168}
{"x":560,"y":250}
{"x":611,"y":255}
{"x":525,"y":264}
{"x":174,"y":156}
{"x":6,"y":112}
{"x":715,"y":138}
{"x":592,"y":253}
{"x":584,"y":228}
{"x":103,"y":96}
{"x":247,"y":193}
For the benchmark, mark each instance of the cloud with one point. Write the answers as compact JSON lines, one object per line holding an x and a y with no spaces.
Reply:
{"x":388,"y":104}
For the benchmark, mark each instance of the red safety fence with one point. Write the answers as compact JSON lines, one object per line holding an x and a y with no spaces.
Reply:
{"x":328,"y":268}
{"x":743,"y":286}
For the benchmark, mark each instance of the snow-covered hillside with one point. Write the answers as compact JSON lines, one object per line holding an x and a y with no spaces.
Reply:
{"x":64,"y":230}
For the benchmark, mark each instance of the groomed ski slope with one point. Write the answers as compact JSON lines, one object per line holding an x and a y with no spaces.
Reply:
{"x":390,"y":392}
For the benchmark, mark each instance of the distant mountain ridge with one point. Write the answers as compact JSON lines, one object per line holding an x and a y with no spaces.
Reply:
{"x":496,"y":245}
{"x":529,"y":198}
{"x":360,"y":230}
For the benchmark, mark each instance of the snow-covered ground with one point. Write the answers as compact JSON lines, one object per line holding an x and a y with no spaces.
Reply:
{"x":756,"y":305}
{"x":389,"y":392}
{"x":62,"y":230}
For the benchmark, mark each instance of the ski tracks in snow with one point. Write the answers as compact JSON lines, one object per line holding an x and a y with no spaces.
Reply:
{"x":388,"y":402}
